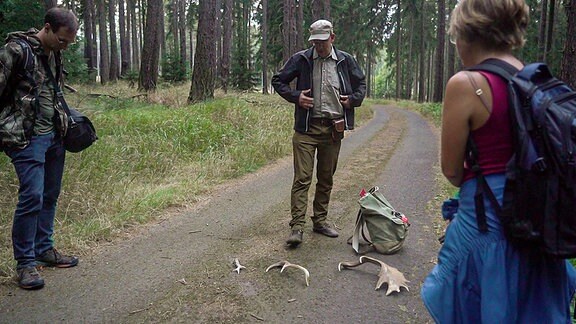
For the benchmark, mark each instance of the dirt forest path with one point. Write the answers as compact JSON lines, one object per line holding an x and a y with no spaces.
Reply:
{"x":180,"y":269}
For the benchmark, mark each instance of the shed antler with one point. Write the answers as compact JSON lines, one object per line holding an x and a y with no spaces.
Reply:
{"x":286,"y":264}
{"x":388,"y":274}
{"x":238,"y":266}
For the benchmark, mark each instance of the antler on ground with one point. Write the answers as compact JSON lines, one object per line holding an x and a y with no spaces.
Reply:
{"x":388,"y":274}
{"x":286,"y":264}
{"x":238,"y":266}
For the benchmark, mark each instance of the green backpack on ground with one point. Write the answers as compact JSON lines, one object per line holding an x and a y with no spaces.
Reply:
{"x":379,"y":224}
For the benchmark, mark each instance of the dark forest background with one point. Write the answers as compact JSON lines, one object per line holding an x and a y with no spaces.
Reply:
{"x":237,"y":44}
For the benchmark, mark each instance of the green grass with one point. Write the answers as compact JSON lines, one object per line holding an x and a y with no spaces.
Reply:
{"x":154,"y":152}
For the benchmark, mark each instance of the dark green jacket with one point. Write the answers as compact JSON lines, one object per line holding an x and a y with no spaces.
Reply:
{"x":19,"y":88}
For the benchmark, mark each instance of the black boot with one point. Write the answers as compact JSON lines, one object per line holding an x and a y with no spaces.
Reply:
{"x":295,"y":238}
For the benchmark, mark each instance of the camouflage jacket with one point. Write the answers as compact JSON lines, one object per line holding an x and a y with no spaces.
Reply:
{"x":19,"y":89}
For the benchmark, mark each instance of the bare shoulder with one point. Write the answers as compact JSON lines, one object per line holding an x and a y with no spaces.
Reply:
{"x":459,"y":85}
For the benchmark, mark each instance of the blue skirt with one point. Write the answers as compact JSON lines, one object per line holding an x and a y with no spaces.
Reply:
{"x":481,"y":278}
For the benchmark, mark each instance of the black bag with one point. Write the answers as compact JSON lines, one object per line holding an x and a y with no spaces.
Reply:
{"x":539,"y":204}
{"x":80,"y":133}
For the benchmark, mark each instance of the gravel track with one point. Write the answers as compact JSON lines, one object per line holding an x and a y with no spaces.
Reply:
{"x":180,"y":269}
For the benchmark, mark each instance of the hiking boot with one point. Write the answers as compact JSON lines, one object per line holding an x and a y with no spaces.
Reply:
{"x":53,"y":258}
{"x":295,"y":238}
{"x":29,"y":278}
{"x":325,"y":230}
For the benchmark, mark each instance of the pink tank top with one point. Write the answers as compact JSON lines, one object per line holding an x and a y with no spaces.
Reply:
{"x":494,"y":138}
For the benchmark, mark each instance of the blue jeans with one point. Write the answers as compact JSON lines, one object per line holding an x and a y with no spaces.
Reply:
{"x":39,"y":168}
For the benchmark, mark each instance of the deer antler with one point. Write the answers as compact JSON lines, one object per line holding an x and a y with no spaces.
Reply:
{"x":347,"y":265}
{"x":238,"y":266}
{"x":286,"y":264}
{"x":388,"y":274}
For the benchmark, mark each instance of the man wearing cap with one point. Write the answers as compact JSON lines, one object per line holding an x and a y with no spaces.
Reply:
{"x":329,"y":86}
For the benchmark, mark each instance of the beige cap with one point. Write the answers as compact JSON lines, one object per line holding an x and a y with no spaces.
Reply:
{"x":320,"y":30}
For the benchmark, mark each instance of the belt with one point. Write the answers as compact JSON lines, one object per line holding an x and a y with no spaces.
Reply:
{"x":322,"y":121}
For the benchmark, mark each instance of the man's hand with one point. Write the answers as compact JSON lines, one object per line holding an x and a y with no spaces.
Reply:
{"x":304,"y":100}
{"x":345,"y":101}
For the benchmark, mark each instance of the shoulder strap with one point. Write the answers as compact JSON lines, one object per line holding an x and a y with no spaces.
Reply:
{"x":59,"y":94}
{"x":507,"y":72}
{"x":28,"y":54}
{"x":499,"y":67}
{"x":25,"y":70}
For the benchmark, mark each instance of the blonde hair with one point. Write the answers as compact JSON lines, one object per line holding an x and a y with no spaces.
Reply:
{"x":497,"y":24}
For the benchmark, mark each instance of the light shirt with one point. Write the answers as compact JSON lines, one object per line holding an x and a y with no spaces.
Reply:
{"x":44,"y":121}
{"x":326,"y":87}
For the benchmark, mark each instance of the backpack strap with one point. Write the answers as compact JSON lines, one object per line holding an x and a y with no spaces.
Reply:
{"x":481,"y":187}
{"x":359,"y":232}
{"x":499,"y":67}
{"x":57,"y":91}
{"x":28,"y":57}
{"x":507,"y":72}
{"x":25,"y":69}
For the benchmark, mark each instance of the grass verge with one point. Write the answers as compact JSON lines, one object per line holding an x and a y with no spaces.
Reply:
{"x":154,"y":152}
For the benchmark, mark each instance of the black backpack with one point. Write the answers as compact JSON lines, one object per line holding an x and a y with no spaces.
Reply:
{"x":25,"y":71}
{"x":539,"y":203}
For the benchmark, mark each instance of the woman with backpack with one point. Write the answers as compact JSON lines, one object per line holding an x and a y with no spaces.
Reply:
{"x":480,"y":276}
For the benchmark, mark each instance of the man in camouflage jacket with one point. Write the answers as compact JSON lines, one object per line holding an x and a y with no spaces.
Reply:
{"x":32,"y":139}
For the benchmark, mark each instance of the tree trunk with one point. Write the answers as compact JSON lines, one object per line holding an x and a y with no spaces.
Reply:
{"x":48,"y":4}
{"x":182,"y":32}
{"x":162,"y":35}
{"x":90,"y":42}
{"x":191,"y":35}
{"x":293,"y":29}
{"x":247,"y":8}
{"x":218,"y":37}
{"x":288,"y":11}
{"x":409,"y":77}
{"x":134,"y":31}
{"x":299,"y":40}
{"x":142,"y":23}
{"x":174,"y":26}
{"x":320,"y":9}
{"x":398,"y":48}
{"x":151,"y":49}
{"x":430,"y":64}
{"x":451,"y":60}
{"x":124,"y":40}
{"x":129,"y":48}
{"x":114,"y":60}
{"x":264,"y":46}
{"x":202,"y":86}
{"x":95,"y":37}
{"x":568,"y":66}
{"x":226,"y":44}
{"x":542,"y":30}
{"x":326,"y":4}
{"x":441,"y":37}
{"x":550,"y":32}
{"x":317,"y":7}
{"x":104,"y":53}
{"x":421,"y":59}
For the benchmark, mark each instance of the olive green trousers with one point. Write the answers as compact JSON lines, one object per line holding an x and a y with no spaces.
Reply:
{"x":318,"y":142}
